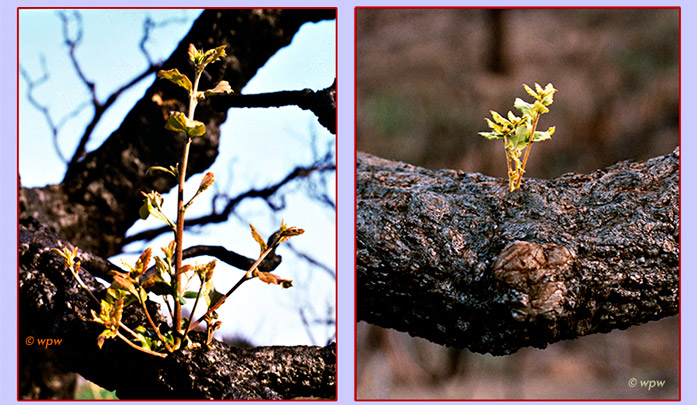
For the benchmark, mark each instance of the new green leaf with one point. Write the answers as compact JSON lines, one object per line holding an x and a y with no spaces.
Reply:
{"x":179,"y":122}
{"x":175,"y":77}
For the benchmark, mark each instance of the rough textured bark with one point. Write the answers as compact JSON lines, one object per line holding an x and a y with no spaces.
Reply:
{"x":457,"y":259}
{"x":52,"y":305}
{"x":98,"y":201}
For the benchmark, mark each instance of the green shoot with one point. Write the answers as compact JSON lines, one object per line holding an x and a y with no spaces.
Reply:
{"x":168,"y":276}
{"x":519,"y":133}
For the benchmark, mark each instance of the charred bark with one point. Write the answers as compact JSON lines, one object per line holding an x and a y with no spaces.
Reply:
{"x":459,"y":260}
{"x":52,"y":305}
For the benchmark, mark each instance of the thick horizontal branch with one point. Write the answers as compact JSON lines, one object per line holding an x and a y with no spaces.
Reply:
{"x":458,"y":259}
{"x":322,"y":103}
{"x":52,"y":305}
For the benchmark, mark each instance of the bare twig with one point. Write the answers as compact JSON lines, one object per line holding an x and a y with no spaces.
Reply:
{"x":265,"y":193}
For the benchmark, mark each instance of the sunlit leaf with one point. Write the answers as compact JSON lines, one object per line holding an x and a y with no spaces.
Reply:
{"x":497,"y":128}
{"x":169,"y":250}
{"x":290,"y":231}
{"x":153,"y":169}
{"x":542,"y":136}
{"x":153,"y":202}
{"x":540,"y":108}
{"x":142,"y":262}
{"x":499,"y":119}
{"x":185,"y":268}
{"x":491,"y":135}
{"x":179,"y":122}
{"x":144,"y":211}
{"x":213,"y":296}
{"x":206,"y":182}
{"x":175,"y":77}
{"x":270,"y":278}
{"x":190,"y":294}
{"x":530,"y":91}
{"x":214,"y":55}
{"x":221,"y":88}
{"x":124,"y":282}
{"x":68,"y":256}
{"x":194,"y":54}
{"x":106,"y":334}
{"x":258,"y":238}
{"x":522,"y":106}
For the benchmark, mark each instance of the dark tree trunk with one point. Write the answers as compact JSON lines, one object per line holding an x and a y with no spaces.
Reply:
{"x":98,"y":201}
{"x":458,"y":259}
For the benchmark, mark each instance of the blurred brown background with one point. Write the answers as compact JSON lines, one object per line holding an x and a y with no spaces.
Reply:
{"x":425,"y":81}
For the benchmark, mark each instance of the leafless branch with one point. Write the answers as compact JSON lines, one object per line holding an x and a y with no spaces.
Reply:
{"x":311,"y":260}
{"x":43,"y":109}
{"x":322,"y":103}
{"x":214,"y":217}
{"x":149,"y":25}
{"x":99,"y":107}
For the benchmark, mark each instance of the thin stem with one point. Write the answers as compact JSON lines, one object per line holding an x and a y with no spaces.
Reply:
{"x":179,"y":234}
{"x":247,"y":276}
{"x":133,"y":345}
{"x":169,"y":307}
{"x":82,"y":284}
{"x":218,"y":304}
{"x":155,"y":328}
{"x":193,"y":310}
{"x":178,"y":237}
{"x":127,"y":329}
{"x":527,"y":150}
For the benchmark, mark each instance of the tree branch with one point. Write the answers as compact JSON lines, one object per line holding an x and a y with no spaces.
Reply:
{"x":322,"y":103}
{"x":457,"y":259}
{"x":217,"y":217}
{"x":51,"y":304}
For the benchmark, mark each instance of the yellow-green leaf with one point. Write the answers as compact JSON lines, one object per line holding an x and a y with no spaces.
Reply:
{"x":498,"y":118}
{"x":258,"y":238}
{"x":175,"y":77}
{"x":222,"y":88}
{"x":522,"y":106}
{"x":491,"y":135}
{"x":214,"y":55}
{"x":540,"y":108}
{"x":179,"y":122}
{"x":531,"y":91}
{"x":543,"y":136}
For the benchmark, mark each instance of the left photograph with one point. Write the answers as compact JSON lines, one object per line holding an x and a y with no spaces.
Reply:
{"x":177,"y":204}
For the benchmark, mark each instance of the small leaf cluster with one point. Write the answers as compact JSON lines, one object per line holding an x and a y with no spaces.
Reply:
{"x":276,"y":239}
{"x":519,"y":133}
{"x":179,"y":121}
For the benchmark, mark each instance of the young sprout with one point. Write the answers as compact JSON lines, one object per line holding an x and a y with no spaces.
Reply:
{"x":168,"y":277}
{"x":519,"y":133}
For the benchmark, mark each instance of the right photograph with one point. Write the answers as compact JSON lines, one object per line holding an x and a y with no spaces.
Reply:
{"x":517,"y":203}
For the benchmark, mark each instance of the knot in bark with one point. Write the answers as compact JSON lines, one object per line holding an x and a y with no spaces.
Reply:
{"x":532,"y":279}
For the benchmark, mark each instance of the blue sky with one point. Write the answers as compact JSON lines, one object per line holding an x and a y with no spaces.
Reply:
{"x":258,"y":147}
